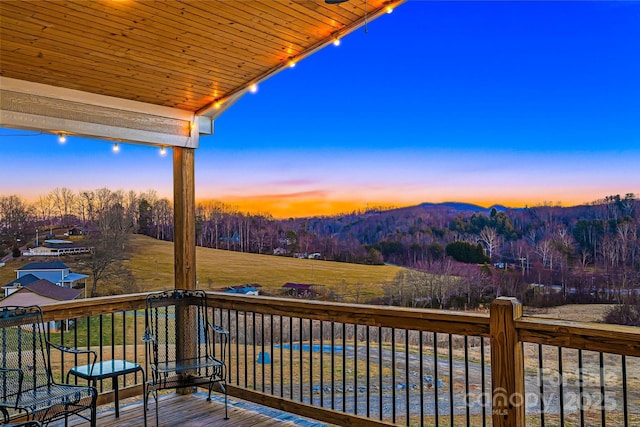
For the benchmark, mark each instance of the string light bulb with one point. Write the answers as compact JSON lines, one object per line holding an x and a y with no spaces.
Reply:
{"x":163,"y":151}
{"x":62,"y":138}
{"x":336,"y":42}
{"x":217,"y":105}
{"x":389,"y":9}
{"x":292,"y":63}
{"x":253,"y":88}
{"x":116,"y":147}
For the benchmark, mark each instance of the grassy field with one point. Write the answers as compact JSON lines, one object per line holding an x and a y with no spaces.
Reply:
{"x":151,"y":263}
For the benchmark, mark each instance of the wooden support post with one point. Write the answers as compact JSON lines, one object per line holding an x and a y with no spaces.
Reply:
{"x":184,"y":246}
{"x":184,"y":225}
{"x":507,"y":364}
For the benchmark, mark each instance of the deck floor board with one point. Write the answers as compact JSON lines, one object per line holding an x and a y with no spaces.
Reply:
{"x":193,"y":411}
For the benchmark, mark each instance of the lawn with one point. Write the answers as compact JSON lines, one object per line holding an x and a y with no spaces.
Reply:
{"x":151,"y":262}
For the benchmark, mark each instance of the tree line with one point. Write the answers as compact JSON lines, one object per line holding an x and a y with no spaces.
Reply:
{"x":589,"y":251}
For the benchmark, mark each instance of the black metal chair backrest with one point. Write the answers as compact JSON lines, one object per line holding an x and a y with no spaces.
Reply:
{"x":27,"y":385}
{"x":167,"y":314}
{"x":181,"y":343}
{"x":25,"y":357}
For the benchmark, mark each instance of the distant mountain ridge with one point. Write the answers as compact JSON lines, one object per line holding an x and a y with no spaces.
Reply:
{"x":466,"y":207}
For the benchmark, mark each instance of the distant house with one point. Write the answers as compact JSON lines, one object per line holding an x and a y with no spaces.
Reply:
{"x":300,"y":290}
{"x":39,"y":292}
{"x":243,"y":289}
{"x":57,"y":247}
{"x":78,"y":231}
{"x":15,"y":285}
{"x":235,"y":238}
{"x":55,"y":272}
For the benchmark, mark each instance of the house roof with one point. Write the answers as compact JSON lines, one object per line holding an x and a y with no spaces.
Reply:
{"x":40,"y":292}
{"x":53,"y":265}
{"x":47,"y":289}
{"x":74,"y":277}
{"x":23,"y":281}
{"x":297,"y":285}
{"x":94,"y":61}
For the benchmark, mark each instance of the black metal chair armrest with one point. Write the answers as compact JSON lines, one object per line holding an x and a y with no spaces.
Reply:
{"x":218,"y":329}
{"x":73,"y":350}
{"x":148,"y":336}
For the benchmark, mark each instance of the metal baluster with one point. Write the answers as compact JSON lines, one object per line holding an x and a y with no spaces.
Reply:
{"x":466,"y":376}
{"x":602,"y":391}
{"x":541,"y":382}
{"x":451,"y":380}
{"x":406,"y":374}
{"x":393,"y":375}
{"x":561,"y":381}
{"x":435,"y":378}
{"x":625,"y":391}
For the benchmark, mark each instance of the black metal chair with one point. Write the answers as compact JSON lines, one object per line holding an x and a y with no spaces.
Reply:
{"x":184,"y":348}
{"x":27,"y":385}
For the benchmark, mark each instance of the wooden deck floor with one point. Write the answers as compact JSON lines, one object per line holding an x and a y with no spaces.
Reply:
{"x":194,"y":411}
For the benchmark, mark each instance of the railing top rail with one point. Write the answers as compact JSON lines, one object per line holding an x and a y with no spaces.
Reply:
{"x":607,"y":338}
{"x":614,"y":339}
{"x":93,"y":306}
{"x":473,"y":324}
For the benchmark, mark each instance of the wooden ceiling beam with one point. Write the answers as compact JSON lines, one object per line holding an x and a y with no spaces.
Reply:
{"x":44,"y":108}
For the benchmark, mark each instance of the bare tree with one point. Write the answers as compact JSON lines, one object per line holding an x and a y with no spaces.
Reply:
{"x":489,"y":236}
{"x":108,"y":245}
{"x":86,"y":205}
{"x":44,"y":208}
{"x":14,"y":213}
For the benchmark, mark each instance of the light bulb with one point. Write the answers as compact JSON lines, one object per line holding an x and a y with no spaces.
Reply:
{"x":116,"y":147}
{"x":389,"y":9}
{"x":336,"y":42}
{"x":253,"y":88}
{"x":163,"y":151}
{"x":292,"y":64}
{"x":62,"y":138}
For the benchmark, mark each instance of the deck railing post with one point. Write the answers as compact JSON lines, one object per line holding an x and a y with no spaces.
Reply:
{"x":507,"y":364}
{"x":184,"y":245}
{"x":184,"y":205}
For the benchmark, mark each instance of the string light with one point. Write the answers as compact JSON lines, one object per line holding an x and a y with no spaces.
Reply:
{"x":336,"y":42}
{"x":217,"y":105}
{"x":292,"y":63}
{"x":62,"y":138}
{"x":389,"y":9}
{"x":163,"y":151}
{"x":253,"y":88}
{"x":116,"y":147}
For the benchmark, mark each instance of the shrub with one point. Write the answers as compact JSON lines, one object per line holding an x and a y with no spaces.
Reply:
{"x":466,"y":252}
{"x":627,"y":313}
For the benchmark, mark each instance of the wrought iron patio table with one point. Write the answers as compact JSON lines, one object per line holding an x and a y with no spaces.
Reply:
{"x":110,"y":369}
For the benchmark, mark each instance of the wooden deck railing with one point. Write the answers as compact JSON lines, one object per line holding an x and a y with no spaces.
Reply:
{"x":368,"y":365}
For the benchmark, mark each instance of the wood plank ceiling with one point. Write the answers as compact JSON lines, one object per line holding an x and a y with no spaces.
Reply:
{"x":188,"y":55}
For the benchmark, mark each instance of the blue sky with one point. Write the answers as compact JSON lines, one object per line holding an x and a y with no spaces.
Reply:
{"x":516,"y":103}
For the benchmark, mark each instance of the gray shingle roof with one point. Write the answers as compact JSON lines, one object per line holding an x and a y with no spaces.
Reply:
{"x":53,"y":265}
{"x":47,"y":289}
{"x":24,"y":280}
